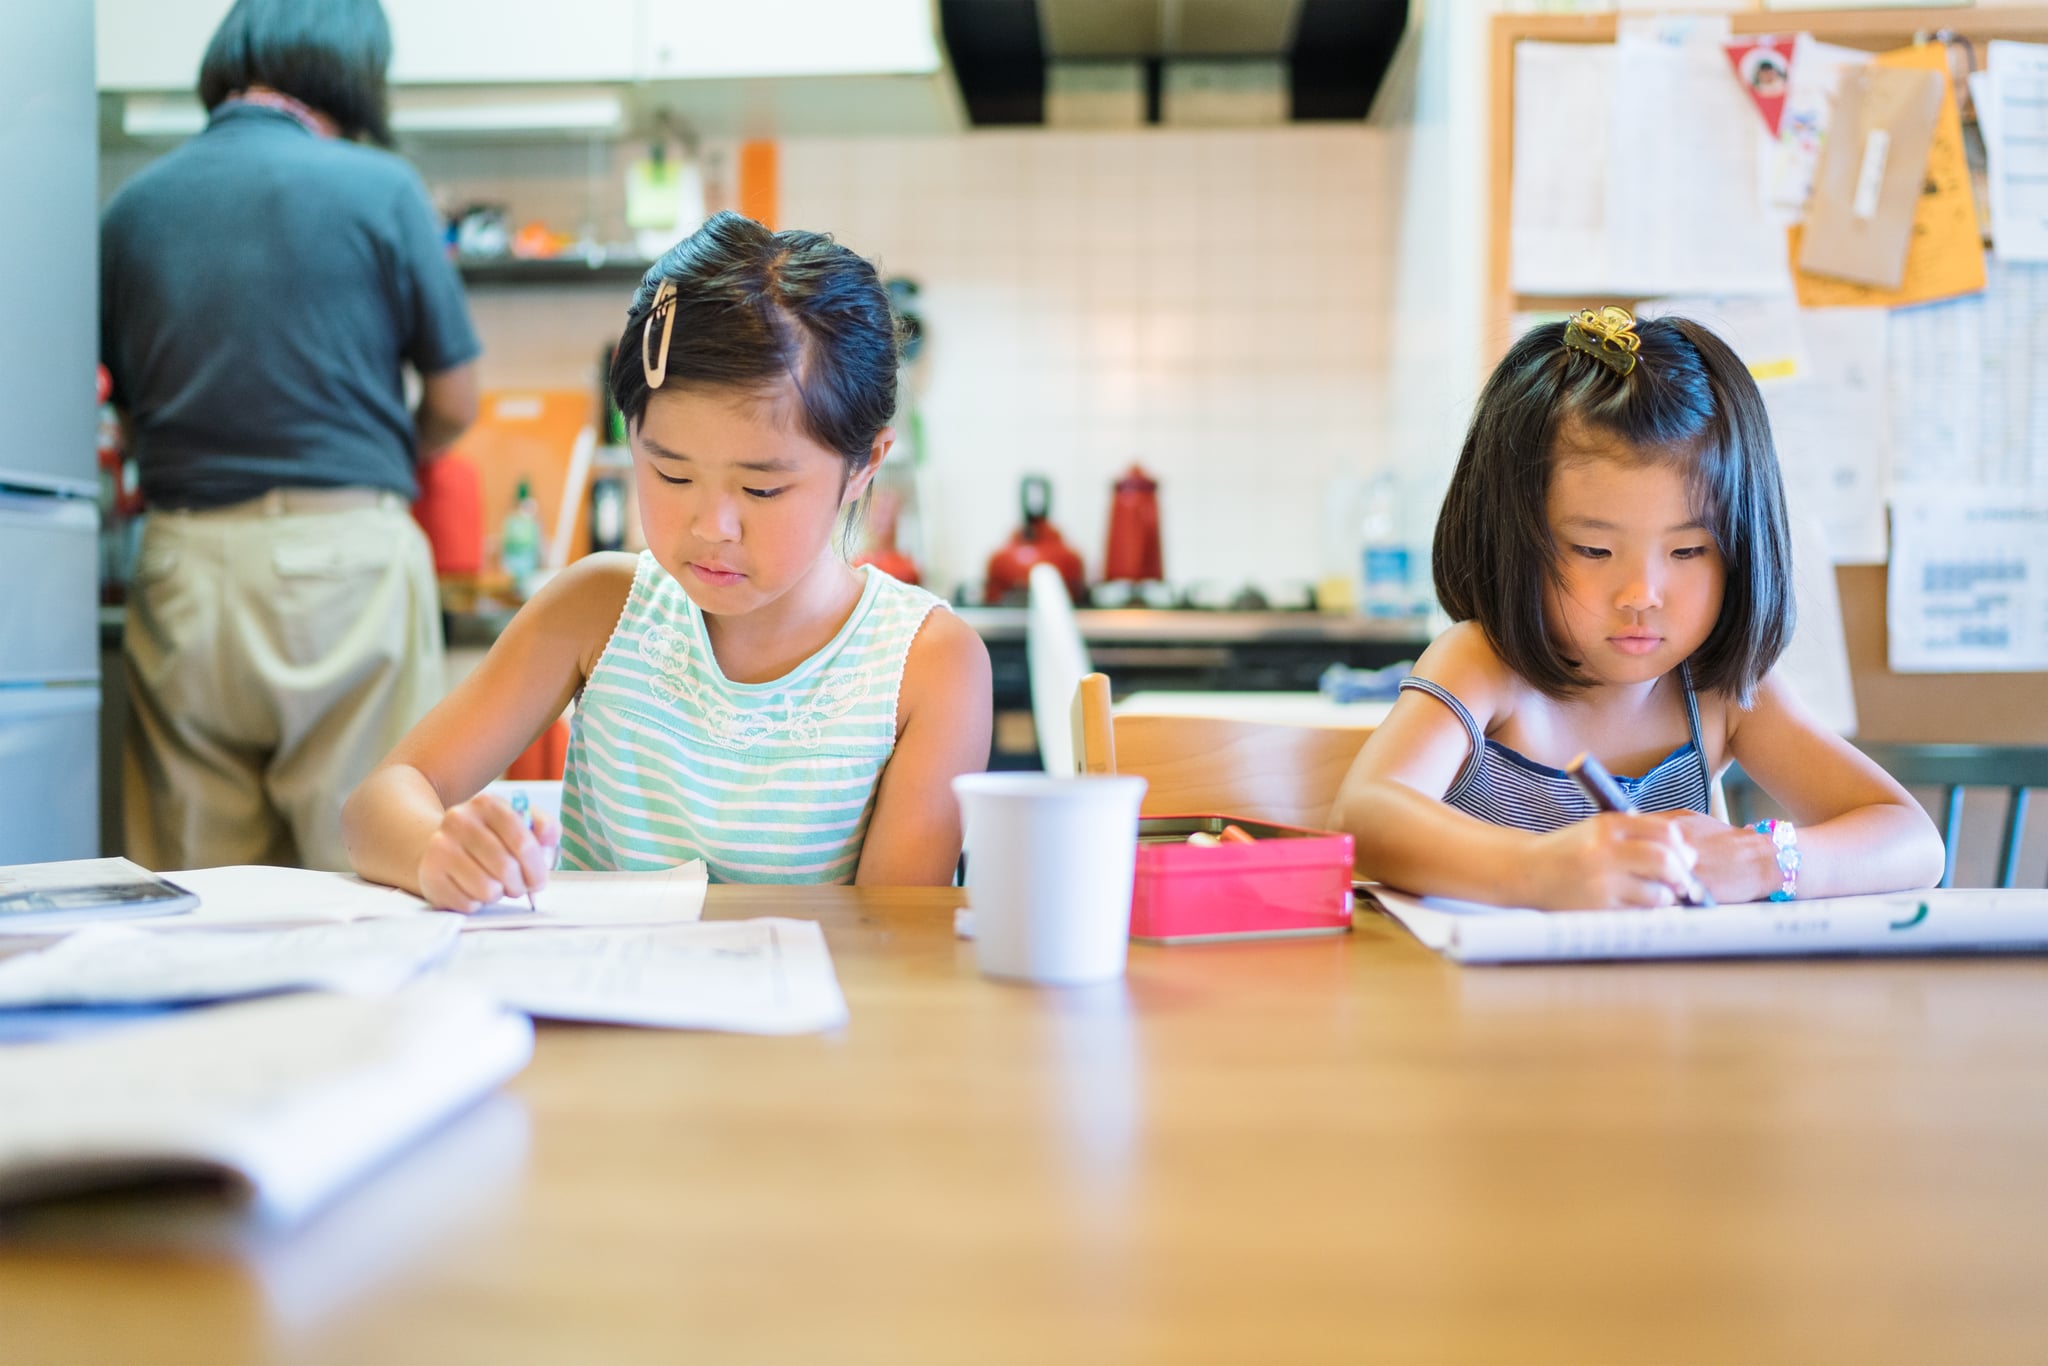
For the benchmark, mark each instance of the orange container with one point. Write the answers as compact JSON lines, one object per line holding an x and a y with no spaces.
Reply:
{"x":451,"y":511}
{"x":1289,"y":880}
{"x":545,"y":759}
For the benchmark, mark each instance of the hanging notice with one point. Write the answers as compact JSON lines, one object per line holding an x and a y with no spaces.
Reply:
{"x":1969,"y":581}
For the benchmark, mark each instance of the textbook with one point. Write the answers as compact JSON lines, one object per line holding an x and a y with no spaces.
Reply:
{"x":35,"y":897}
{"x":281,"y":1102}
{"x":1971,"y":920}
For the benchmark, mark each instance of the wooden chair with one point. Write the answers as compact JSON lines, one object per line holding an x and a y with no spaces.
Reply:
{"x":1287,"y":775}
{"x":1952,"y":768}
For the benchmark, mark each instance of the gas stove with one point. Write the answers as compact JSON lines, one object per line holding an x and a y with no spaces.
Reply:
{"x":1196,"y":595}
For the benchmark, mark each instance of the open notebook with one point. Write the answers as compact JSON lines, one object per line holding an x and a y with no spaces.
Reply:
{"x":1955,"y":921}
{"x":284,"y":1101}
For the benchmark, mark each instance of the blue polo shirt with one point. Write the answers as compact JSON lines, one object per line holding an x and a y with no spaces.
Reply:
{"x":261,"y":290}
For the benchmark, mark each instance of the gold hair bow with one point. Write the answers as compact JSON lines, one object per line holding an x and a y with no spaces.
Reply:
{"x":1608,"y":336}
{"x":664,"y":309}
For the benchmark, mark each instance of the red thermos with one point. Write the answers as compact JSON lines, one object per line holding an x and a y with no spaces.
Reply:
{"x":1134,"y":529}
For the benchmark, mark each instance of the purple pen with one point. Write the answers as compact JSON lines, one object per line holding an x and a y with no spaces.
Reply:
{"x":1600,"y":788}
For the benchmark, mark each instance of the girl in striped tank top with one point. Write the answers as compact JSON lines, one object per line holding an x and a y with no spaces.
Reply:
{"x":744,"y":696}
{"x":1614,"y":551}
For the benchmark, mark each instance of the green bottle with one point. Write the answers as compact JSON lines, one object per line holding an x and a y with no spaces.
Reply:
{"x":519,"y":543}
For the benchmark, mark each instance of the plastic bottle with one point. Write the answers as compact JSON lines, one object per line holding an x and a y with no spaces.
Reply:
{"x":519,"y":542}
{"x":1388,"y":572}
{"x":608,"y":512}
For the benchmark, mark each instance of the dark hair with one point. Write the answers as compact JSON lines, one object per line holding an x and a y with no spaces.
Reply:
{"x":756,"y":308}
{"x":328,"y":54}
{"x":1689,"y":401}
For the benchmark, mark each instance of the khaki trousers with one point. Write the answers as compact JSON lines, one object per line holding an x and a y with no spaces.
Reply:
{"x":275,"y":651}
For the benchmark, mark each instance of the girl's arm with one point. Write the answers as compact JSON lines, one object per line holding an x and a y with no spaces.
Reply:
{"x":946,"y":709}
{"x":412,"y":822}
{"x":1858,"y":830}
{"x":1391,"y":803}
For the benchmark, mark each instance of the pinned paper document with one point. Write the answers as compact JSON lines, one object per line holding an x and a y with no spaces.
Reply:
{"x":2015,"y":124}
{"x":1762,"y":329}
{"x":1833,"y":432}
{"x":1817,"y":70}
{"x":1968,"y":589}
{"x":1945,"y":252}
{"x":1600,"y":204}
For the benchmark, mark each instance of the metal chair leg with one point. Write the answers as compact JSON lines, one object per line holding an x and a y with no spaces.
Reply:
{"x":1951,"y":832}
{"x":2009,"y":849}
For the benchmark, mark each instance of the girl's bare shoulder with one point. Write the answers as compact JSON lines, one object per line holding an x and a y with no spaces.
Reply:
{"x":580,"y":605}
{"x":948,"y":664}
{"x":1463,"y":662}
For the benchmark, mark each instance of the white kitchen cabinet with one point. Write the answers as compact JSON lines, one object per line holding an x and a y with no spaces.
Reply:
{"x":153,"y":44}
{"x":718,"y":38}
{"x":157,"y":44}
{"x":739,"y":68}
{"x":457,"y":42}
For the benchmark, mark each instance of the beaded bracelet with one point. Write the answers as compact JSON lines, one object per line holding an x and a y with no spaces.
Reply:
{"x":1786,"y":842}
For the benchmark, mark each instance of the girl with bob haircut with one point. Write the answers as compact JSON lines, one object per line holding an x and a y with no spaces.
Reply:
{"x":1615,"y":553}
{"x":743,"y":695}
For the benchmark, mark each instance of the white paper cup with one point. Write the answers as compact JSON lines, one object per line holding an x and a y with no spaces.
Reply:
{"x":1049,"y":866}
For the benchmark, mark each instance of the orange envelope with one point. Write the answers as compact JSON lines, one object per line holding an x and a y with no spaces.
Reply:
{"x":1945,"y":253}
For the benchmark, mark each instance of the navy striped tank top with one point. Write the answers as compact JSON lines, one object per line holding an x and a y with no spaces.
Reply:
{"x":1501,"y":787}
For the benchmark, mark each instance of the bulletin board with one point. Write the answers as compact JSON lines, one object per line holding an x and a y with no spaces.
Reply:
{"x":1983,"y":708}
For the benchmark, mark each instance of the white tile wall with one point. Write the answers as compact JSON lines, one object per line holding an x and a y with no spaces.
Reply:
{"x":1211,"y":304}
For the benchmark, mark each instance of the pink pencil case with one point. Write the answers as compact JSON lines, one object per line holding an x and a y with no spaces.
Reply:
{"x":1289,"y":880}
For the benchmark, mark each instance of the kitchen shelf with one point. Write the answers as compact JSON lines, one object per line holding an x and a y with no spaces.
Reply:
{"x":563,"y":271}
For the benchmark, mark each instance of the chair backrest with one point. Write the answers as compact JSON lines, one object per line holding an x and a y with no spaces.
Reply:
{"x":1057,"y":658}
{"x":1288,"y":775}
{"x":1953,"y":769}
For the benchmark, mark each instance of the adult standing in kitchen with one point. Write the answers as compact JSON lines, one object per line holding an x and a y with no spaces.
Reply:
{"x":264,"y":289}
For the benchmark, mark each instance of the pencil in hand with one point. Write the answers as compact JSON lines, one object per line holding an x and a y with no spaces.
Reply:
{"x":1600,"y":788}
{"x":522,"y":809}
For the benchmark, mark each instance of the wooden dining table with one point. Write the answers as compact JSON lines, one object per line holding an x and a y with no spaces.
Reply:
{"x":1309,"y":1150}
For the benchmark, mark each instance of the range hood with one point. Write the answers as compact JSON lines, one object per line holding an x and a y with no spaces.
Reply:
{"x":1320,"y":59}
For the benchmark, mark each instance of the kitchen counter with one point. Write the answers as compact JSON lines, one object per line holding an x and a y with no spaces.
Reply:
{"x":1140,"y":625}
{"x":1134,"y":626}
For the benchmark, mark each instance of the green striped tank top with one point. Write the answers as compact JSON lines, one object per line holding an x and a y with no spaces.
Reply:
{"x":766,"y":782}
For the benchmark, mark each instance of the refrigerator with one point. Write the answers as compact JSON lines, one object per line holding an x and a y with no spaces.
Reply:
{"x":49,"y":517}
